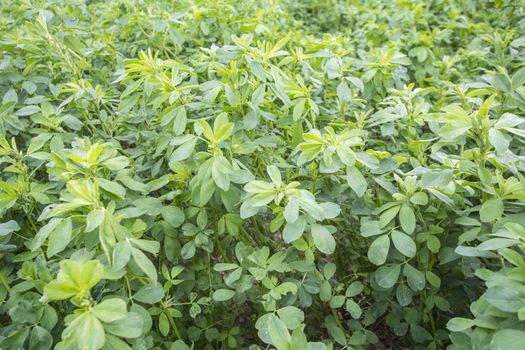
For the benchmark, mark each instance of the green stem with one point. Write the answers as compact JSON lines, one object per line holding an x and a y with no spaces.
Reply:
{"x":171,"y":320}
{"x":258,"y":230}
{"x":3,"y":279}
{"x":337,"y":319}
{"x":219,"y":248}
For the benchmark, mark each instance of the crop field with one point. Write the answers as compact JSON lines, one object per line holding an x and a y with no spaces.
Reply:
{"x":262,"y":174}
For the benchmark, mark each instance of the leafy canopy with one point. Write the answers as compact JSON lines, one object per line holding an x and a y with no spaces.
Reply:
{"x":262,"y":174}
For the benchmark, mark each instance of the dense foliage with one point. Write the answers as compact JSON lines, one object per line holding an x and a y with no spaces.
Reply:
{"x":262,"y":174}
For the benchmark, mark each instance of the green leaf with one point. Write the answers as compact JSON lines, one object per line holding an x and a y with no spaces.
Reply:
{"x":179,"y":345}
{"x":221,"y":267}
{"x":299,"y":341}
{"x":416,"y":278}
{"x":75,"y":278}
{"x":403,"y":295}
{"x":518,"y":78}
{"x":8,"y":227}
{"x":275,"y":175}
{"x":497,"y":243}
{"x":164,"y":325}
{"x":184,"y":151}
{"x":325,"y":291}
{"x":293,"y":231}
{"x":180,"y":121}
{"x":38,"y":142}
{"x":323,"y":239}
{"x":459,"y":324}
{"x":407,"y":219}
{"x":498,"y":140}
{"x":110,"y":310}
{"x":44,"y":233}
{"x":292,"y":316}
{"x":220,"y":171}
{"x":356,"y":180}
{"x":150,"y":294}
{"x":329,"y":270}
{"x":491,"y":210}
{"x":334,"y":330}
{"x":223,"y":294}
{"x":370,"y":228}
{"x":291,"y":211}
{"x":337,"y":301}
{"x":354,"y":289}
{"x":388,"y":215}
{"x":60,"y":237}
{"x":436,"y":178}
{"x":121,"y":255}
{"x":222,"y":128}
{"x":112,"y":187}
{"x":343,"y":92}
{"x":278,"y":333}
{"x":40,"y":339}
{"x":404,"y":244}
{"x":27,"y":110}
{"x":367,"y":159}
{"x":378,"y":250}
{"x":188,"y":250}
{"x":94,"y":219}
{"x":419,"y":198}
{"x":149,"y":205}
{"x":508,"y":339}
{"x":144,"y":263}
{"x":353,"y":308}
{"x":433,"y":279}
{"x":87,"y":331}
{"x":149,"y":246}
{"x":128,"y":327}
{"x":419,"y":334}
{"x":173,"y":216}
{"x":114,"y":343}
{"x":387,"y":276}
